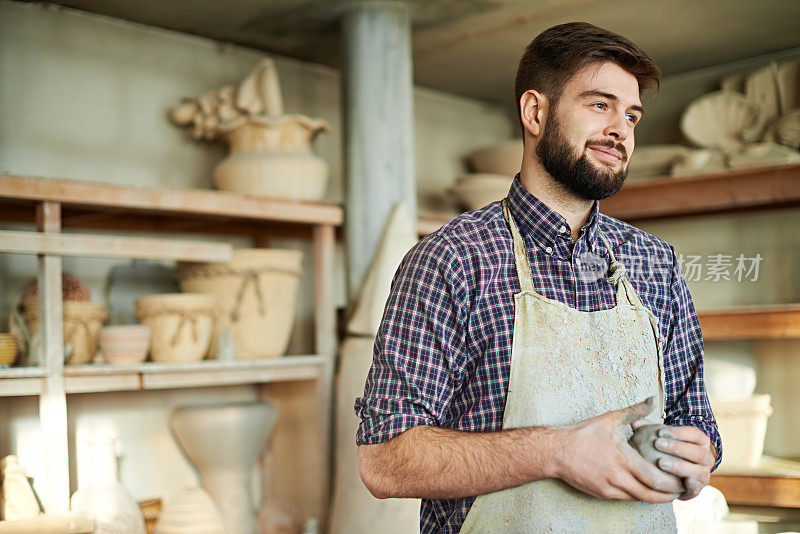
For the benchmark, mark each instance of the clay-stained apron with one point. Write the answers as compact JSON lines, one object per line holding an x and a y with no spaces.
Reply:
{"x":569,"y":365}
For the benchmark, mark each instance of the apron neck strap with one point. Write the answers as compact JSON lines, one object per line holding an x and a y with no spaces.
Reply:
{"x":520,"y":255}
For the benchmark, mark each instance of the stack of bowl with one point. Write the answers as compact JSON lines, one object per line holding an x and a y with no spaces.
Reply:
{"x":125,"y":344}
{"x":494,"y":168}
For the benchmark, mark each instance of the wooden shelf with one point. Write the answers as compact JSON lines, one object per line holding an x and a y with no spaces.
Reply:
{"x":775,"y":482}
{"x":780,"y":321}
{"x":148,"y":376}
{"x":725,"y":192}
{"x":101,"y":205}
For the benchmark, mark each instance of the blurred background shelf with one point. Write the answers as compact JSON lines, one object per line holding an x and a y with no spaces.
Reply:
{"x":775,"y":482}
{"x":780,"y":321}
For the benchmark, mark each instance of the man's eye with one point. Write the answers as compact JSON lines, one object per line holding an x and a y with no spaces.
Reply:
{"x":633,"y":119}
{"x":601,"y":105}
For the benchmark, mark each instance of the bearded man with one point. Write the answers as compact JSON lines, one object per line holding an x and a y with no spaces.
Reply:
{"x":523,"y":342}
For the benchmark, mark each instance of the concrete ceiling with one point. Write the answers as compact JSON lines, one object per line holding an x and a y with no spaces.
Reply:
{"x":471,"y":47}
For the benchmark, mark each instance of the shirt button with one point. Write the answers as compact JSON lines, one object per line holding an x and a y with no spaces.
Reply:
{"x":562,"y":228}
{"x":549,"y":250}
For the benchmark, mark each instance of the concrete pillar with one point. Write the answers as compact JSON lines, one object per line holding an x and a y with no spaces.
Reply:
{"x":379,"y":122}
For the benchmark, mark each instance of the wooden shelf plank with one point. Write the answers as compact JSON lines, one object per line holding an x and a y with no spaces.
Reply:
{"x":200,"y":202}
{"x":758,"y":490}
{"x":17,"y":387}
{"x":729,"y":191}
{"x":21,"y":372}
{"x":113,"y":247}
{"x":751,"y":322}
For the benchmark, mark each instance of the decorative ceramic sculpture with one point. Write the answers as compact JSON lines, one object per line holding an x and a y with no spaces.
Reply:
{"x":474,"y":191}
{"x":270,"y":151}
{"x":190,"y":511}
{"x":654,"y":160}
{"x":102,"y":496}
{"x":763,"y":154}
{"x":256,"y":294}
{"x":699,"y":161}
{"x":761,"y":87}
{"x":82,"y":322}
{"x":722,"y":119}
{"x":501,"y":158}
{"x":223,"y":442}
{"x":355,"y":510}
{"x":181,"y":323}
{"x":18,"y":499}
{"x":124,"y":344}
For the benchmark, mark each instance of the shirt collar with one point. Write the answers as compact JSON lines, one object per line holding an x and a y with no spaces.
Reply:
{"x":546,"y":226}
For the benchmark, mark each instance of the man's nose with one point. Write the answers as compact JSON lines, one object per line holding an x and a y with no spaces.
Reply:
{"x":618,"y":128}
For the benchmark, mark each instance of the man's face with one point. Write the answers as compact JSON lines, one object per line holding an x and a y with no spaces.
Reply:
{"x":588,"y":135}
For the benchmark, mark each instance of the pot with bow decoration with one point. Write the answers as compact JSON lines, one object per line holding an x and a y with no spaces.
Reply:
{"x":181,"y":325}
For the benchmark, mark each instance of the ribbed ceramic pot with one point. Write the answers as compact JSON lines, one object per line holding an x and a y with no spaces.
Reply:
{"x":181,"y":325}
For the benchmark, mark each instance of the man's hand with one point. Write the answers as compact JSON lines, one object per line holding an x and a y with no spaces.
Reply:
{"x":694,"y":458}
{"x":596,"y":459}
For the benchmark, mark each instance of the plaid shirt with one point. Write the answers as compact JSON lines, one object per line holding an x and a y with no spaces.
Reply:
{"x":442,"y":353}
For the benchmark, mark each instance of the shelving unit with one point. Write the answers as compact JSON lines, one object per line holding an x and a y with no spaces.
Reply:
{"x":299,"y":386}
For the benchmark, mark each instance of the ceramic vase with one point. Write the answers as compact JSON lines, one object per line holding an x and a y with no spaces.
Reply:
{"x":223,"y":442}
{"x":103,"y":496}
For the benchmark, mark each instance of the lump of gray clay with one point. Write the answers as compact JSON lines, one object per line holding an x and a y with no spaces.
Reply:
{"x":643,"y":441}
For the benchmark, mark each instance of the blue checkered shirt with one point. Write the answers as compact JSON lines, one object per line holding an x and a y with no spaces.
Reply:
{"x":442,"y":353}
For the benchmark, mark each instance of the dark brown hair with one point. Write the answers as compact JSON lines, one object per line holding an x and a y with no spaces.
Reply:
{"x":557,"y":53}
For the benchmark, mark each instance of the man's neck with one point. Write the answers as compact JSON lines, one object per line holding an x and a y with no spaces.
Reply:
{"x":540,"y":184}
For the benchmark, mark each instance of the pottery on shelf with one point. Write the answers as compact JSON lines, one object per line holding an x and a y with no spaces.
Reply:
{"x":762,"y":155}
{"x":476,"y":190}
{"x":786,"y":130}
{"x":124,"y":344}
{"x":102,"y":495}
{"x":270,"y":151}
{"x":128,"y":281}
{"x":789,"y":85}
{"x":500,"y":158}
{"x":722,"y":119}
{"x":223,"y":442}
{"x":8,"y":349}
{"x":181,"y":325}
{"x":19,"y":501}
{"x":761,"y":87}
{"x":82,"y":322}
{"x":71,"y":289}
{"x":256,"y":295}
{"x":190,"y":511}
{"x":743,"y":426}
{"x":699,"y":161}
{"x":654,"y":160}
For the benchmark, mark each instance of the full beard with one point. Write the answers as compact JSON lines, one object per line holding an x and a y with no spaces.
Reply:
{"x":579,"y":175}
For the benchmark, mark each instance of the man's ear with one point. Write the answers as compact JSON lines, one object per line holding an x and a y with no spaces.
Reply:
{"x":533,"y":107}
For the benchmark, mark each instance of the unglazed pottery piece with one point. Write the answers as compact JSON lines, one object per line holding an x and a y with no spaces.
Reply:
{"x":124,"y":344}
{"x":19,"y":501}
{"x":654,"y":160}
{"x":762,"y":155}
{"x":643,"y":440}
{"x":181,"y":323}
{"x":102,"y":495}
{"x":742,"y":425}
{"x":722,"y":119}
{"x":190,"y":511}
{"x":82,"y":322}
{"x":787,"y":129}
{"x":476,"y":191}
{"x":223,"y":442}
{"x":789,"y":85}
{"x":8,"y":349}
{"x":761,"y":87}
{"x":503,"y":158}
{"x":699,"y":161}
{"x":256,"y":295}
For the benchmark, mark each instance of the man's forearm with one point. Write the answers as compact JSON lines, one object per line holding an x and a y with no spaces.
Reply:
{"x":438,"y":463}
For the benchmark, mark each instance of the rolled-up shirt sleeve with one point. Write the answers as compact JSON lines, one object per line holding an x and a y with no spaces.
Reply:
{"x":418,"y":352}
{"x":687,"y":401}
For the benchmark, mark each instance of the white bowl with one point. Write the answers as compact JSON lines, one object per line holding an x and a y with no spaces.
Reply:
{"x":501,"y":158}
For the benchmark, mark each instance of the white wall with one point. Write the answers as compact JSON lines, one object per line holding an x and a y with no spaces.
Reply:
{"x":86,"y":97}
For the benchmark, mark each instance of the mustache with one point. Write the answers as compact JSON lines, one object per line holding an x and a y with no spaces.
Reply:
{"x":608,"y":143}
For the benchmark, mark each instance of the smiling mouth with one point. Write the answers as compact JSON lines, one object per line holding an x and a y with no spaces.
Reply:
{"x":607,"y":153}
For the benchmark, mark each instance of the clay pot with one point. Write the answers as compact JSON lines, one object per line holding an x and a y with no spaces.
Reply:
{"x":474,"y":191}
{"x":124,"y":344}
{"x":82,"y":321}
{"x":181,"y":323}
{"x":190,"y":511}
{"x":8,"y":349}
{"x":256,"y":294}
{"x":743,"y":426}
{"x":223,"y":441}
{"x":271,"y":156}
{"x":501,"y":158}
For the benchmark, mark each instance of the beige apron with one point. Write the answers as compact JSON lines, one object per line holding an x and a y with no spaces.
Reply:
{"x":569,"y":365}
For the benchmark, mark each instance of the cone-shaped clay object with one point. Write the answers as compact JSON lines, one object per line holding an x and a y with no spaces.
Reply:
{"x":355,"y":510}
